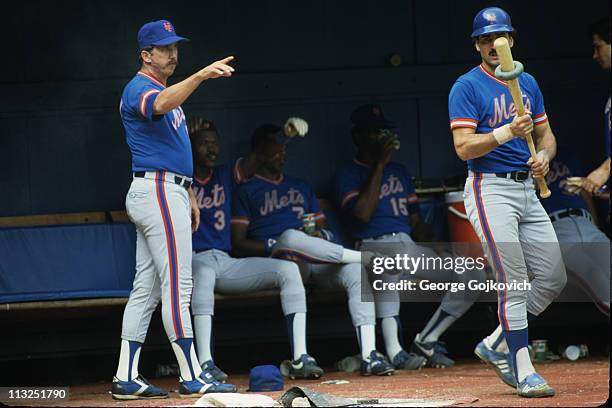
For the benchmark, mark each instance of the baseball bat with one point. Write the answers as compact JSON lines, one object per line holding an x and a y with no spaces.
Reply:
{"x":507,"y":64}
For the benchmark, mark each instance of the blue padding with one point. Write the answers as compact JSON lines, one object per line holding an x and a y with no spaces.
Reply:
{"x":66,"y":262}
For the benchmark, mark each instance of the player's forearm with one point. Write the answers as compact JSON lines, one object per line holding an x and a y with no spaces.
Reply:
{"x":249,"y":164}
{"x":605,"y":166}
{"x":470,"y":145}
{"x":545,"y":141}
{"x":367,"y":201}
{"x":174,"y":96}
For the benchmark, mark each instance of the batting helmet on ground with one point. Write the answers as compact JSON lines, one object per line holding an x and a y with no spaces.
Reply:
{"x":491,"y":20}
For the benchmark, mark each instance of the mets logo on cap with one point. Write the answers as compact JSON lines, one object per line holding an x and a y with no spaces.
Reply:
{"x":490,"y":17}
{"x":168,"y":26}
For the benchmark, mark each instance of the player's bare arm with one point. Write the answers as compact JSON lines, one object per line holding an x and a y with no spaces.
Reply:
{"x":470,"y":145}
{"x":367,"y":201}
{"x":173,"y":96}
{"x":546,"y":146}
{"x":249,"y":165}
{"x":243,"y":246}
{"x":597,"y":177}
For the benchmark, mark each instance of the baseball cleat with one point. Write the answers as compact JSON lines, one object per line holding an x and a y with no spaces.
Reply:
{"x":377,"y":364}
{"x":431,"y":352}
{"x":408,"y":361}
{"x":305,"y":367}
{"x":138,"y":388}
{"x":499,"y":361}
{"x":534,"y":386}
{"x":204,"y":384}
{"x":210,"y":367}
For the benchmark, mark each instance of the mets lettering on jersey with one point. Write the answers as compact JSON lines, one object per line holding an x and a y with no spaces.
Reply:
{"x":482,"y":102}
{"x":157,"y":142}
{"x":273,"y":202}
{"x":397,"y":199}
{"x":271,"y":207}
{"x":214,"y":197}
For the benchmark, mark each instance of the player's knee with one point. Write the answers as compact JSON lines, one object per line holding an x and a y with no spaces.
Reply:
{"x":559,"y":283}
{"x":203,"y":282}
{"x":290,"y":239}
{"x":351,"y":276}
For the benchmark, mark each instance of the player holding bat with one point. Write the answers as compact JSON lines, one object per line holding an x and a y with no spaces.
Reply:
{"x":490,"y":132}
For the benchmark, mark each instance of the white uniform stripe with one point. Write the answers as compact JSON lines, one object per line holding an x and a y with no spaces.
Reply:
{"x":143,"y":100}
{"x":463,"y":123}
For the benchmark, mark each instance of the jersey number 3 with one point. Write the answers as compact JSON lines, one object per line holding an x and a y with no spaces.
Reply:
{"x":220,"y":220}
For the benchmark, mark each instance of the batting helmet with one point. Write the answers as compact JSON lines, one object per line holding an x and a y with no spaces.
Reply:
{"x":491,"y":20}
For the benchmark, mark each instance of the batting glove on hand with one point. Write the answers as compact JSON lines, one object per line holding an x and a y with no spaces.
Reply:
{"x":573,"y":185}
{"x":295,"y":127}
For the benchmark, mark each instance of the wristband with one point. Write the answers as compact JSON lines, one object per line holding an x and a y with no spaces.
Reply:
{"x":503,"y":134}
{"x":269,"y":245}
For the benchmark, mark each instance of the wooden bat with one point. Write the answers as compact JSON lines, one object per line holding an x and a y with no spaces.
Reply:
{"x":507,"y":64}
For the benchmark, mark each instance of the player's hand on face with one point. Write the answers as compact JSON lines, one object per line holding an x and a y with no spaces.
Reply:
{"x":539,"y":167}
{"x":218,"y":69}
{"x":387,"y":151}
{"x":595,"y":180}
{"x":522,"y":126}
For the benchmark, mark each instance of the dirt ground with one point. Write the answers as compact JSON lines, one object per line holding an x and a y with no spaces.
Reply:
{"x":582,"y":383}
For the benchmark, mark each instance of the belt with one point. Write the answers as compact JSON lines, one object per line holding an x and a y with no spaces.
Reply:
{"x":168,"y":177}
{"x":576,"y":212}
{"x":379,"y":237}
{"x":521,"y":175}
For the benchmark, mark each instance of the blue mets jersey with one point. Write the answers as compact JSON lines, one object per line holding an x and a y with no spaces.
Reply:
{"x":396,"y":200}
{"x":271,"y":207}
{"x":482,"y":102}
{"x":157,"y":142}
{"x":564,"y":165}
{"x":214,"y":198}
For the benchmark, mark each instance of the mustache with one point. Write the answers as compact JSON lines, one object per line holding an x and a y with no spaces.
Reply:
{"x":492,"y":53}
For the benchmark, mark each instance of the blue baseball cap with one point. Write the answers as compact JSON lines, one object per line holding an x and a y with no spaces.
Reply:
{"x":371,"y":117}
{"x":265,"y":378}
{"x":159,"y":32}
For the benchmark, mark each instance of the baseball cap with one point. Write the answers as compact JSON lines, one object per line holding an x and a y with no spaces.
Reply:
{"x":159,"y":32}
{"x":265,"y":378}
{"x":371,"y":116}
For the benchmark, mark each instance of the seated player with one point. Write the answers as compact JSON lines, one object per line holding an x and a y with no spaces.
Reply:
{"x":380,"y":205}
{"x":214,"y":270}
{"x":267,"y":221}
{"x":585,"y":249}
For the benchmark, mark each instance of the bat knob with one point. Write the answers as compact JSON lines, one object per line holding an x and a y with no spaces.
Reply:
{"x":509,"y":75}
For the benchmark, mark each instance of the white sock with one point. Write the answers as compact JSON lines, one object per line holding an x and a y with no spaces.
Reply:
{"x":299,"y":335}
{"x":351,"y":256}
{"x":367,"y":340}
{"x":203,"y":330}
{"x":391,"y":335}
{"x":523,"y":364}
{"x":495,"y":342}
{"x":123,"y":370}
{"x":187,"y":359}
{"x":437,"y":326}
